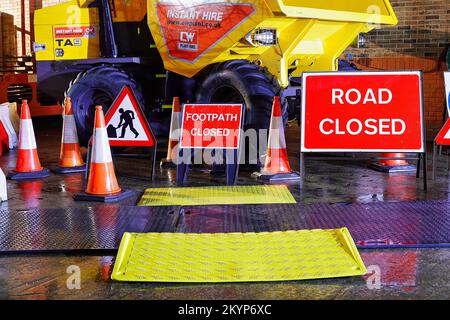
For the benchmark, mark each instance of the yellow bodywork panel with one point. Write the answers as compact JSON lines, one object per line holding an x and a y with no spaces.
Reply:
{"x":367,"y":11}
{"x":128,"y":11}
{"x":237,"y":257}
{"x":216,"y":195}
{"x":68,"y":31}
{"x":312,"y":34}
{"x":194,"y":35}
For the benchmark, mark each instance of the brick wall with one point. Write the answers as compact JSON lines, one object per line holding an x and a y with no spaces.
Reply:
{"x":417,"y":43}
{"x":423,"y":30}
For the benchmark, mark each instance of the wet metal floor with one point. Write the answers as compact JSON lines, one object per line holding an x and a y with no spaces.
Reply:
{"x":404,"y":273}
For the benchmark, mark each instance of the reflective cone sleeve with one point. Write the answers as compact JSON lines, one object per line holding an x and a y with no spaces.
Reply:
{"x":27,"y":156}
{"x":174,"y":130}
{"x":70,"y":155}
{"x":393,"y":163}
{"x":277,"y":159}
{"x":102,"y":180}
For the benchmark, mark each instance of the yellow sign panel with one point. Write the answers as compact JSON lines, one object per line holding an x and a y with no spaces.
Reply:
{"x":198,"y":196}
{"x":237,"y":257}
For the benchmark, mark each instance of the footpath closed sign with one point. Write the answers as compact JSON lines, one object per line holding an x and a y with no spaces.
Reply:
{"x":211,"y":126}
{"x":362,"y":112}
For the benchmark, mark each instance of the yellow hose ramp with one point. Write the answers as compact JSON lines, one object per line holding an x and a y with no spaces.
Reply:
{"x":237,"y":257}
{"x":220,"y":195}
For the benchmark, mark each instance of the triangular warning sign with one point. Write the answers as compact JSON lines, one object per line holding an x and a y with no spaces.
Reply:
{"x":443,"y":137}
{"x":126,"y":123}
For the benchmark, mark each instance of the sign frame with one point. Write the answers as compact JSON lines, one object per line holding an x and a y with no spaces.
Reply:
{"x":421,"y":153}
{"x":436,"y":144}
{"x":212,"y":104}
{"x":127,"y":90}
{"x":232,"y":170}
{"x":422,"y":113}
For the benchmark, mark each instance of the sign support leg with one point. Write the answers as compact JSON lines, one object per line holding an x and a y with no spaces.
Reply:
{"x":433,"y":175}
{"x":447,"y":155}
{"x":232,"y":166}
{"x":155,"y":149}
{"x":302,"y":165}
{"x":88,"y":161}
{"x":182,"y":168}
{"x":419,"y":163}
{"x":425,"y":171}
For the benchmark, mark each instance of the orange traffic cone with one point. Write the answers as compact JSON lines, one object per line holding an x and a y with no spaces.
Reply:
{"x":393,"y":165}
{"x":28,"y":165}
{"x":277,"y":167}
{"x":70,"y":159}
{"x":174,"y":135}
{"x":102,"y":183}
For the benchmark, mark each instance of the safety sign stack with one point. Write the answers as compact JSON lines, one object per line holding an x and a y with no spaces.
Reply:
{"x":8,"y":131}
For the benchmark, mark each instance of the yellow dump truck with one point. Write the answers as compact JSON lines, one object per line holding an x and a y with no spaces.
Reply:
{"x":204,"y":51}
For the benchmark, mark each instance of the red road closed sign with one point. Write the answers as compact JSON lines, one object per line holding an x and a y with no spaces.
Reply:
{"x":362,"y":112}
{"x":211,"y":126}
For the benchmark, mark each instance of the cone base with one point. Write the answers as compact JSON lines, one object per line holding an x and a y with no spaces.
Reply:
{"x":167,"y":164}
{"x":279,"y":177}
{"x":393,"y":169}
{"x":14,"y":175}
{"x":69,"y":170}
{"x":104,"y":199}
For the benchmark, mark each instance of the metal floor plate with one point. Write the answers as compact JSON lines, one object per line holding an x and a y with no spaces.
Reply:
{"x":75,"y":229}
{"x":378,"y":225}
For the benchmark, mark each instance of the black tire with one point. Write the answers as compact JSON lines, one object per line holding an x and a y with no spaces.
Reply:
{"x":240,"y":81}
{"x":97,"y":86}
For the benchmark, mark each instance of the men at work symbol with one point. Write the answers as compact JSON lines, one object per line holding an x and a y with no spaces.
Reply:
{"x":126,"y":122}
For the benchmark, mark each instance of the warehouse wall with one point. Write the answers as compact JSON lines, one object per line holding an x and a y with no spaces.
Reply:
{"x":418,"y":43}
{"x":11,"y":27}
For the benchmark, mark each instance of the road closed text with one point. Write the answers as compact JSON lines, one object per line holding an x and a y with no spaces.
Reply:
{"x":369,"y":111}
{"x":370,"y":127}
{"x":354,"y":96}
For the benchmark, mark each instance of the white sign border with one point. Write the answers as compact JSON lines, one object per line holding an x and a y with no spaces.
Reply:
{"x":343,"y":73}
